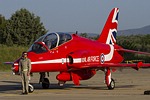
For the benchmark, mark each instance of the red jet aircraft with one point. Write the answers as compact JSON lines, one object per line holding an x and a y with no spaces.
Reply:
{"x":78,"y":58}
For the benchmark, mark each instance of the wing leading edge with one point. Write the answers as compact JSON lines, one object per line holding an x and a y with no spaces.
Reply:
{"x":132,"y":65}
{"x":132,"y":51}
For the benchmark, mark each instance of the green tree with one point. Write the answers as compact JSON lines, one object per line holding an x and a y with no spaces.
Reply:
{"x":145,"y":43}
{"x":84,"y":35}
{"x":128,"y":45}
{"x":23,"y":28}
{"x":94,"y":38}
{"x":2,"y":27}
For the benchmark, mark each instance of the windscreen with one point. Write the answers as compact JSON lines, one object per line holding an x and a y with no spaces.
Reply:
{"x":38,"y":48}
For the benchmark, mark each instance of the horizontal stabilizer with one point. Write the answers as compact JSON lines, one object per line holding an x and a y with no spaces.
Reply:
{"x":9,"y":63}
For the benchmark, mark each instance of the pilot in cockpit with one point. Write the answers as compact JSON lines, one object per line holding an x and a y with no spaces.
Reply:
{"x":63,"y":39}
{"x":47,"y":42}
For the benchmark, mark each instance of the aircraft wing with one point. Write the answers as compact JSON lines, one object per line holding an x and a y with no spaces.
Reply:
{"x":133,"y":65}
{"x":117,"y":65}
{"x":76,"y":63}
{"x":133,"y":51}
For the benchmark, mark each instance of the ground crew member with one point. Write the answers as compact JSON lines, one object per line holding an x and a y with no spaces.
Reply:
{"x":24,"y":69}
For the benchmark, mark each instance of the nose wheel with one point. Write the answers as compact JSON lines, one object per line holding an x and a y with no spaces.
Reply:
{"x":31,"y":88}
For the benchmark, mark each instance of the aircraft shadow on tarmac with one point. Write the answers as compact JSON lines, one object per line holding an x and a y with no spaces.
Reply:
{"x":12,"y":85}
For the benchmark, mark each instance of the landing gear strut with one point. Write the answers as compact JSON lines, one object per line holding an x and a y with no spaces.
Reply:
{"x":108,"y":80}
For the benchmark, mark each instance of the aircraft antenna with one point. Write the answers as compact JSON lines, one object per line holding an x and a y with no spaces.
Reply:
{"x":76,"y":32}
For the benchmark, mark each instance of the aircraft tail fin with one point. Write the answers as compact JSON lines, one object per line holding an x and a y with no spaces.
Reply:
{"x":108,"y":34}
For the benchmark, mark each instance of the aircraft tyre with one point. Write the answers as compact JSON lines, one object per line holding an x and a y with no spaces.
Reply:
{"x":31,"y":88}
{"x":112,"y":85}
{"x":45,"y":83}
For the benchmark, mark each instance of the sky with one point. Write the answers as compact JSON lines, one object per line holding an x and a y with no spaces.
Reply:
{"x":81,"y":15}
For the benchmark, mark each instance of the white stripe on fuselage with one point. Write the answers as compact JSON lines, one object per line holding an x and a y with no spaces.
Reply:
{"x":62,"y":60}
{"x":48,"y":61}
{"x":56,"y":61}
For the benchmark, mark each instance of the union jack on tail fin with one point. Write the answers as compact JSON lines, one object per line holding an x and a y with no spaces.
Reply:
{"x":108,"y":34}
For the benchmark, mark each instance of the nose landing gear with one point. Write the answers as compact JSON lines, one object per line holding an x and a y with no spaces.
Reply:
{"x":31,"y":88}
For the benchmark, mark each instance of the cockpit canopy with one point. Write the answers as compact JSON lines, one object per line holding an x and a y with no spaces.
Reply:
{"x":51,"y":40}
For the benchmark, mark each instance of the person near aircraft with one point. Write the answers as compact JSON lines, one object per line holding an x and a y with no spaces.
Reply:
{"x":24,"y":69}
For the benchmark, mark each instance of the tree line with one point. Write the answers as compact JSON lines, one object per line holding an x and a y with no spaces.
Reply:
{"x":133,"y":42}
{"x":22,"y":28}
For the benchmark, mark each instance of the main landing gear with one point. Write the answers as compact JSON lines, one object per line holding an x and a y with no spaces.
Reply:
{"x":108,"y":80}
{"x":45,"y":81}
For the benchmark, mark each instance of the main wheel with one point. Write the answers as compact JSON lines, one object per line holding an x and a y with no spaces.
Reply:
{"x":31,"y":88}
{"x":112,"y":85}
{"x":45,"y":83}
